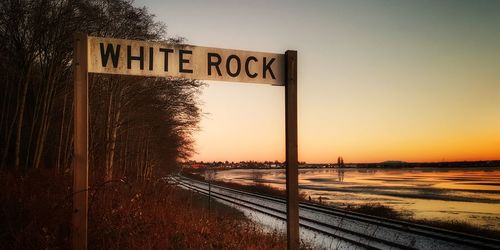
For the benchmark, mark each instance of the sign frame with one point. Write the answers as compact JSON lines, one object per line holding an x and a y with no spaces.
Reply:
{"x":160,"y":59}
{"x":81,"y":65}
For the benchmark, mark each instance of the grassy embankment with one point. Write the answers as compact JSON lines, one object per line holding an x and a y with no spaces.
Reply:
{"x":36,"y":214}
{"x":375,"y":209}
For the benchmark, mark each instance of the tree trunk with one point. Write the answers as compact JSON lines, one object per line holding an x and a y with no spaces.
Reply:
{"x":108,"y":175}
{"x":5,"y":107}
{"x":61,"y":133}
{"x":10,"y":130}
{"x":47,"y":108}
{"x":124,"y":156}
{"x":68,"y":146}
{"x":21,"y":117}
{"x":114,"y":132}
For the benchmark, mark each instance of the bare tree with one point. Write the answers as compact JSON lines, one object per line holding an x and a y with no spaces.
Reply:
{"x":139,"y":126}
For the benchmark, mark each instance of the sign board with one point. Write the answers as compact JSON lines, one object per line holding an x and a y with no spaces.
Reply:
{"x":129,"y":57}
{"x":154,"y":59}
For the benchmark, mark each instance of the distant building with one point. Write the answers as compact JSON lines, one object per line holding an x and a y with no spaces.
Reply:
{"x":196,"y":166}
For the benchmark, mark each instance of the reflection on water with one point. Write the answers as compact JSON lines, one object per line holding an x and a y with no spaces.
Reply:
{"x":469,"y":194}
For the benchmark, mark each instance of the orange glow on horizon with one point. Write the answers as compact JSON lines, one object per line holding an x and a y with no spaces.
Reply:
{"x":234,"y":131}
{"x":420,"y":84}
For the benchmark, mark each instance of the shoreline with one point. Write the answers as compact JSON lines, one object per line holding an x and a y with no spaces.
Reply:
{"x":362,"y":168}
{"x":381,"y":209}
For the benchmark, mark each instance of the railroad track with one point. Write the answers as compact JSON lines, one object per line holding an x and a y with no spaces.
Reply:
{"x":350,"y":229}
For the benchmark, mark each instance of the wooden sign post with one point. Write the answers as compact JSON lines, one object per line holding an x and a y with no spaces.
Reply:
{"x":292,"y":159}
{"x":81,"y":143}
{"x":141,"y":58}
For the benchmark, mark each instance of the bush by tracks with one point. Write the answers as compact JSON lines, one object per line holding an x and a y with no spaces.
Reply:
{"x":36,"y":214}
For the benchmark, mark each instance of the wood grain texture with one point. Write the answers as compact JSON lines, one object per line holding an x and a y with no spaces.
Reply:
{"x":80,"y":158}
{"x":292,"y":180}
{"x":198,"y":62}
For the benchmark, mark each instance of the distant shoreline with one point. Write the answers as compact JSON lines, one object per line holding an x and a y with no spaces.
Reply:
{"x":375,"y":167}
{"x":382,"y":165}
{"x":385,"y":168}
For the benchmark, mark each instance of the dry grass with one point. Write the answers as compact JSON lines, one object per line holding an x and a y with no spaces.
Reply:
{"x":377,"y":209}
{"x":35,"y":211}
{"x":156,"y":215}
{"x":35,"y":214}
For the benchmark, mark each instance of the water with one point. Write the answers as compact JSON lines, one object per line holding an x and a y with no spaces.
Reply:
{"x":464,"y":194}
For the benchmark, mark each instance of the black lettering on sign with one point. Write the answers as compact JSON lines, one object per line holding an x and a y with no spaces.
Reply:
{"x":151,"y":57}
{"x":216,"y":64}
{"x":182,"y":61}
{"x":267,"y":67}
{"x":166,"y":51}
{"x":247,"y":68}
{"x":228,"y":65}
{"x":140,"y":58}
{"x":115,"y":55}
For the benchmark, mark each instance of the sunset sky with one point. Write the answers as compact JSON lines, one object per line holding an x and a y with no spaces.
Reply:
{"x":378,"y":80}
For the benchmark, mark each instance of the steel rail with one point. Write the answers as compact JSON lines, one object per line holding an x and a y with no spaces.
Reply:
{"x":406,"y":227}
{"x":278,"y":214}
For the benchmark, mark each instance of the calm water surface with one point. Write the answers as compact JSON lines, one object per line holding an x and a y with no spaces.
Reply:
{"x":471,"y":195}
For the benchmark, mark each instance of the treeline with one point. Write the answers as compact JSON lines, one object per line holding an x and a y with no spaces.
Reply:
{"x":139,"y":127}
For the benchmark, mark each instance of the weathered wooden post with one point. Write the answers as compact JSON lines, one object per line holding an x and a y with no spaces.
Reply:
{"x":80,"y":157}
{"x":292,"y":180}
